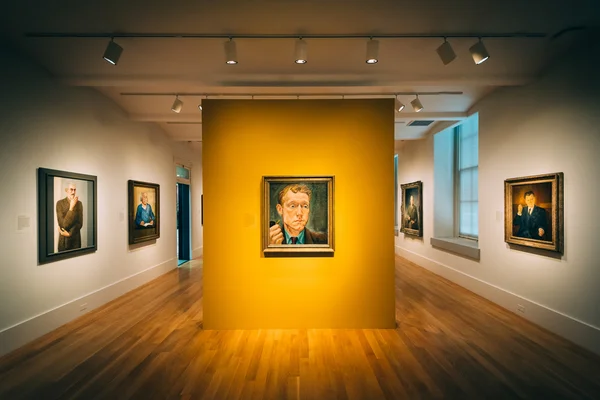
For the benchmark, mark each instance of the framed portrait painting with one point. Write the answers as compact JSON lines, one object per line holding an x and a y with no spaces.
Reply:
{"x":67,"y":215}
{"x":533,"y":211}
{"x":144,"y":211}
{"x":412,"y":209}
{"x":298,"y":214}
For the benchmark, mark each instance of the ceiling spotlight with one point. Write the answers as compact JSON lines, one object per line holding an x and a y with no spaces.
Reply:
{"x":398,"y":105}
{"x":113,"y":52}
{"x":446,"y":52}
{"x":301,"y":52}
{"x":416,"y":104}
{"x":479,"y":52}
{"x":177,"y":104}
{"x":230,"y":52}
{"x":372,"y":51}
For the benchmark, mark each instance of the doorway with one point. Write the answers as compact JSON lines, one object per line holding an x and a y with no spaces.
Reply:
{"x":183,"y":224}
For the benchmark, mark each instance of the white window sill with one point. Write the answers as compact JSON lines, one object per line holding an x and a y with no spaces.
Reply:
{"x":464,"y":247}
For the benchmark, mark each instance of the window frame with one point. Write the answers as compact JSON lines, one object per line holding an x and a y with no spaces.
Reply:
{"x":181,"y":179}
{"x":457,"y":182}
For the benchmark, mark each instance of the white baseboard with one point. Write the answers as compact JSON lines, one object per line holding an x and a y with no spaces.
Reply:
{"x":570,"y":328}
{"x":198,"y":252}
{"x":23,"y":332}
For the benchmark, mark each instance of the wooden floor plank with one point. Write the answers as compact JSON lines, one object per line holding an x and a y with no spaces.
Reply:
{"x":449,"y":343}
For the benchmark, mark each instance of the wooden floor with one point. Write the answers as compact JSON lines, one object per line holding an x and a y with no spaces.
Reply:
{"x":450,"y":343}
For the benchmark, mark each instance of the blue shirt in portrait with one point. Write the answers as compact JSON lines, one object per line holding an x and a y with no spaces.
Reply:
{"x":146,"y":215}
{"x":288,"y":238}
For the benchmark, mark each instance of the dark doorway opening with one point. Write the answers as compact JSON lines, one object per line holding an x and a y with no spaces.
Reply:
{"x":184,"y":252}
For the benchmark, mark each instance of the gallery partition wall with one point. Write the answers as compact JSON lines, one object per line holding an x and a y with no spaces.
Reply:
{"x":346,"y":280}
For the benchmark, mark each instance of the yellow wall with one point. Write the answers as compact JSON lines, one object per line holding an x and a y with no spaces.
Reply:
{"x":246,"y":140}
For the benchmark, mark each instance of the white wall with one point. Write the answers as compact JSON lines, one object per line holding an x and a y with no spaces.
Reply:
{"x":44,"y":124}
{"x":550,"y":125}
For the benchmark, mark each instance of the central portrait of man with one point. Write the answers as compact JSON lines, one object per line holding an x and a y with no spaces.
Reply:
{"x":298,"y":214}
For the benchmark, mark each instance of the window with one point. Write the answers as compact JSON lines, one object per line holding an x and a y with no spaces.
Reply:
{"x":467,"y":161}
{"x":182,"y":172}
{"x":455,"y":198}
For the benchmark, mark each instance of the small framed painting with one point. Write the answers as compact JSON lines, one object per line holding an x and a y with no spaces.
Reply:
{"x":298,"y":214}
{"x":67,"y":215}
{"x":144,"y":211}
{"x":533,"y":211}
{"x":412,"y":209}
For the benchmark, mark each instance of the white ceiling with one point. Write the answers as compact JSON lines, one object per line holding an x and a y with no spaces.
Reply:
{"x":335,"y":66}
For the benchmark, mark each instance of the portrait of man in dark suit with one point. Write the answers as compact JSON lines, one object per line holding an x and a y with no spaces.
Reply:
{"x":531,"y":219}
{"x":411,"y":215}
{"x":533,"y":211}
{"x":412,"y":209}
{"x":294,"y":207}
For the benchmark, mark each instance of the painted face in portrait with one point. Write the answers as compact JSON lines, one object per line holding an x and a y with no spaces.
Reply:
{"x":71,"y":191}
{"x":530,"y":200}
{"x":295,"y":211}
{"x":144,"y":198}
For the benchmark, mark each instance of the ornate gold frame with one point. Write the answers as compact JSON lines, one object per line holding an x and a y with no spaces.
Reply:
{"x":556,"y":237}
{"x":319,"y":185}
{"x":405,"y":187}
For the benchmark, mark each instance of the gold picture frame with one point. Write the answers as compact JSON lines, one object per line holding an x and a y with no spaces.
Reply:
{"x":411,"y":222}
{"x":533,"y":211}
{"x":144,"y":211}
{"x":298,"y":214}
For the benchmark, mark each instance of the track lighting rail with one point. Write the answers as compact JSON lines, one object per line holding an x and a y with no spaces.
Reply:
{"x":438,"y":35}
{"x":294,"y":95}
